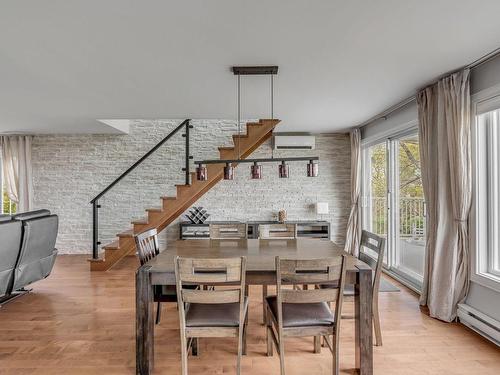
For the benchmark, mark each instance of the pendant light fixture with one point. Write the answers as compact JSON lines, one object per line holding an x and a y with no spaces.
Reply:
{"x":256,"y":171}
{"x":312,"y":169}
{"x":201,"y":173}
{"x":228,"y":172}
{"x":256,"y":167}
{"x":283,"y":170}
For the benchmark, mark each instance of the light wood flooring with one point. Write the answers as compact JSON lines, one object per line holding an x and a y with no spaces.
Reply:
{"x":78,"y":322}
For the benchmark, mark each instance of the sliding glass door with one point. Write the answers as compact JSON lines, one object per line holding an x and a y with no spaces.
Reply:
{"x":409,"y":209}
{"x":393,"y":203}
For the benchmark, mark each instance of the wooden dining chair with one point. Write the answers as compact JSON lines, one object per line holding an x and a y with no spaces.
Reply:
{"x":274,"y":232}
{"x":148,"y":247}
{"x":370,"y":242}
{"x":306,"y":312}
{"x":213,"y":312}
{"x":236,"y":231}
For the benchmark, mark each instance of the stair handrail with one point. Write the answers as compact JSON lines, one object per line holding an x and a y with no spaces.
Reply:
{"x":95,"y":201}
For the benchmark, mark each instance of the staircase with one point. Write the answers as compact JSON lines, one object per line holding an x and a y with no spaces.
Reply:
{"x":172,"y":207}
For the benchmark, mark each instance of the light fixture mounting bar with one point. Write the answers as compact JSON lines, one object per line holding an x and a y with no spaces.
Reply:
{"x":263,"y":160}
{"x":254,"y":70}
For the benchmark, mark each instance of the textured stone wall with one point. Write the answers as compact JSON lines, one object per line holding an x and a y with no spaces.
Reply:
{"x":69,"y":170}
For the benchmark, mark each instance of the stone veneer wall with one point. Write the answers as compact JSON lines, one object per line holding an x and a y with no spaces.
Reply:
{"x":69,"y":170}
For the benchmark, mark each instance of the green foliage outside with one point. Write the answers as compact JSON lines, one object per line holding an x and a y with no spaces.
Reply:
{"x":6,"y":204}
{"x":410,"y":187}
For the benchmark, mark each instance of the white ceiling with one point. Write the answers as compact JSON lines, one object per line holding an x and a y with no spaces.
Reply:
{"x":64,"y":64}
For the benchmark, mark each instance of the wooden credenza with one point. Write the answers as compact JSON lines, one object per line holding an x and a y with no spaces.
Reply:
{"x":305,"y":229}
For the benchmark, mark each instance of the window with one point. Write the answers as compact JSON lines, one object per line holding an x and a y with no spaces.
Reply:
{"x":393,"y":203}
{"x":486,"y":207}
{"x":6,"y":205}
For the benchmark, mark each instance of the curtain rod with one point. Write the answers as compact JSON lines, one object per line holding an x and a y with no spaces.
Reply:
{"x":402,"y":103}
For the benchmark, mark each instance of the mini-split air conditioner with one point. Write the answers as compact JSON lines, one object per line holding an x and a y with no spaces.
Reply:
{"x":294,"y":142}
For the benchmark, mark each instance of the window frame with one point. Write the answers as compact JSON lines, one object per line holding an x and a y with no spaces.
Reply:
{"x":390,"y":138}
{"x":484,"y":183}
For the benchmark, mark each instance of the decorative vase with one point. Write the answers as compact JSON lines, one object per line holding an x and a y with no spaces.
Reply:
{"x":282,"y":216}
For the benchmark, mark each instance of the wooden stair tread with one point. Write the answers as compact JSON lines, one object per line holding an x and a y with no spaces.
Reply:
{"x":169,"y":198}
{"x":154,"y":209}
{"x":115,"y":245}
{"x":127,"y":233}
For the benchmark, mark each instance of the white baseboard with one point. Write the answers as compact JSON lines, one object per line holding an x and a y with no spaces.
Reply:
{"x":479,"y":322}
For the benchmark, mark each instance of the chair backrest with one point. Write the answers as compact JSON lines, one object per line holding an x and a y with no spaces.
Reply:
{"x":328,"y":271}
{"x":193,"y":271}
{"x":38,"y":252}
{"x":147,"y":245}
{"x":375,"y":260}
{"x":10,"y":233}
{"x":277,"y":231}
{"x":234,"y":231}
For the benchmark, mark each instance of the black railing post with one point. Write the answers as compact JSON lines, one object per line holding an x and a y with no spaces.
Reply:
{"x":95,"y":229}
{"x":186,"y":168}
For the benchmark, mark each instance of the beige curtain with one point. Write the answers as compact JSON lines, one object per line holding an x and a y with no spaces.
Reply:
{"x":17,"y":170}
{"x":353,"y":225}
{"x":445,"y":150}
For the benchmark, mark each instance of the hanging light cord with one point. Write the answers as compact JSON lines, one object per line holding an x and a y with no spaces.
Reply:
{"x":239,"y":126}
{"x":272,"y":97}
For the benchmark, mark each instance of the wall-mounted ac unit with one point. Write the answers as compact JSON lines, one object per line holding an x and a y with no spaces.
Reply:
{"x":294,"y":142}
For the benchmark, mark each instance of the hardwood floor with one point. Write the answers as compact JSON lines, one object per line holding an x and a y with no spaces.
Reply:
{"x":78,"y":322}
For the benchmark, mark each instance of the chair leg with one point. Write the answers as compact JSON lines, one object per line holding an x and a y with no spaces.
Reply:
{"x":335,"y":353}
{"x":317,"y":344}
{"x":158,"y":313}
{"x":195,"y":347}
{"x":245,"y":328}
{"x":269,"y":339}
{"x":264,"y":295}
{"x":376,"y":323}
{"x":281,"y":342}
{"x":240,"y":350}
{"x":184,"y":354}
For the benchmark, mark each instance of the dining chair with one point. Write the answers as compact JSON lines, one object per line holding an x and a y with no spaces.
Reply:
{"x":148,"y":248}
{"x":236,"y":231}
{"x":371,"y":251}
{"x":213,"y":312}
{"x":274,"y":232}
{"x":306,"y":312}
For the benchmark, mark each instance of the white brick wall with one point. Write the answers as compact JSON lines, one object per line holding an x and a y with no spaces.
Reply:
{"x":69,"y":170}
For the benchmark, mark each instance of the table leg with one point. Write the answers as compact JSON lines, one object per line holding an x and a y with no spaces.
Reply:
{"x":144,"y":322}
{"x":363,"y":322}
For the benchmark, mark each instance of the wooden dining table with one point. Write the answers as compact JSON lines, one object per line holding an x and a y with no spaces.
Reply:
{"x":260,"y":256}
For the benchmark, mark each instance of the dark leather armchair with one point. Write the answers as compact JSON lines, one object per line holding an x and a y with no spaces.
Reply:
{"x":27,"y":250}
{"x":38,"y":252}
{"x":10,"y":244}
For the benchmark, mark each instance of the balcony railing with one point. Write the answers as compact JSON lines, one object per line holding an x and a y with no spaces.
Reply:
{"x":411,"y":216}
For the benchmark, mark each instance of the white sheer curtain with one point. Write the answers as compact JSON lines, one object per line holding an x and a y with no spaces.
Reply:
{"x":17,"y":170}
{"x":353,"y":226}
{"x":444,"y":127}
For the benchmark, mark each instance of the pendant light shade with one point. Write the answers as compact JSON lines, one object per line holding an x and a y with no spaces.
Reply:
{"x":256,"y":171}
{"x":284,"y":170}
{"x":228,"y":172}
{"x":201,"y":173}
{"x":312,"y":169}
